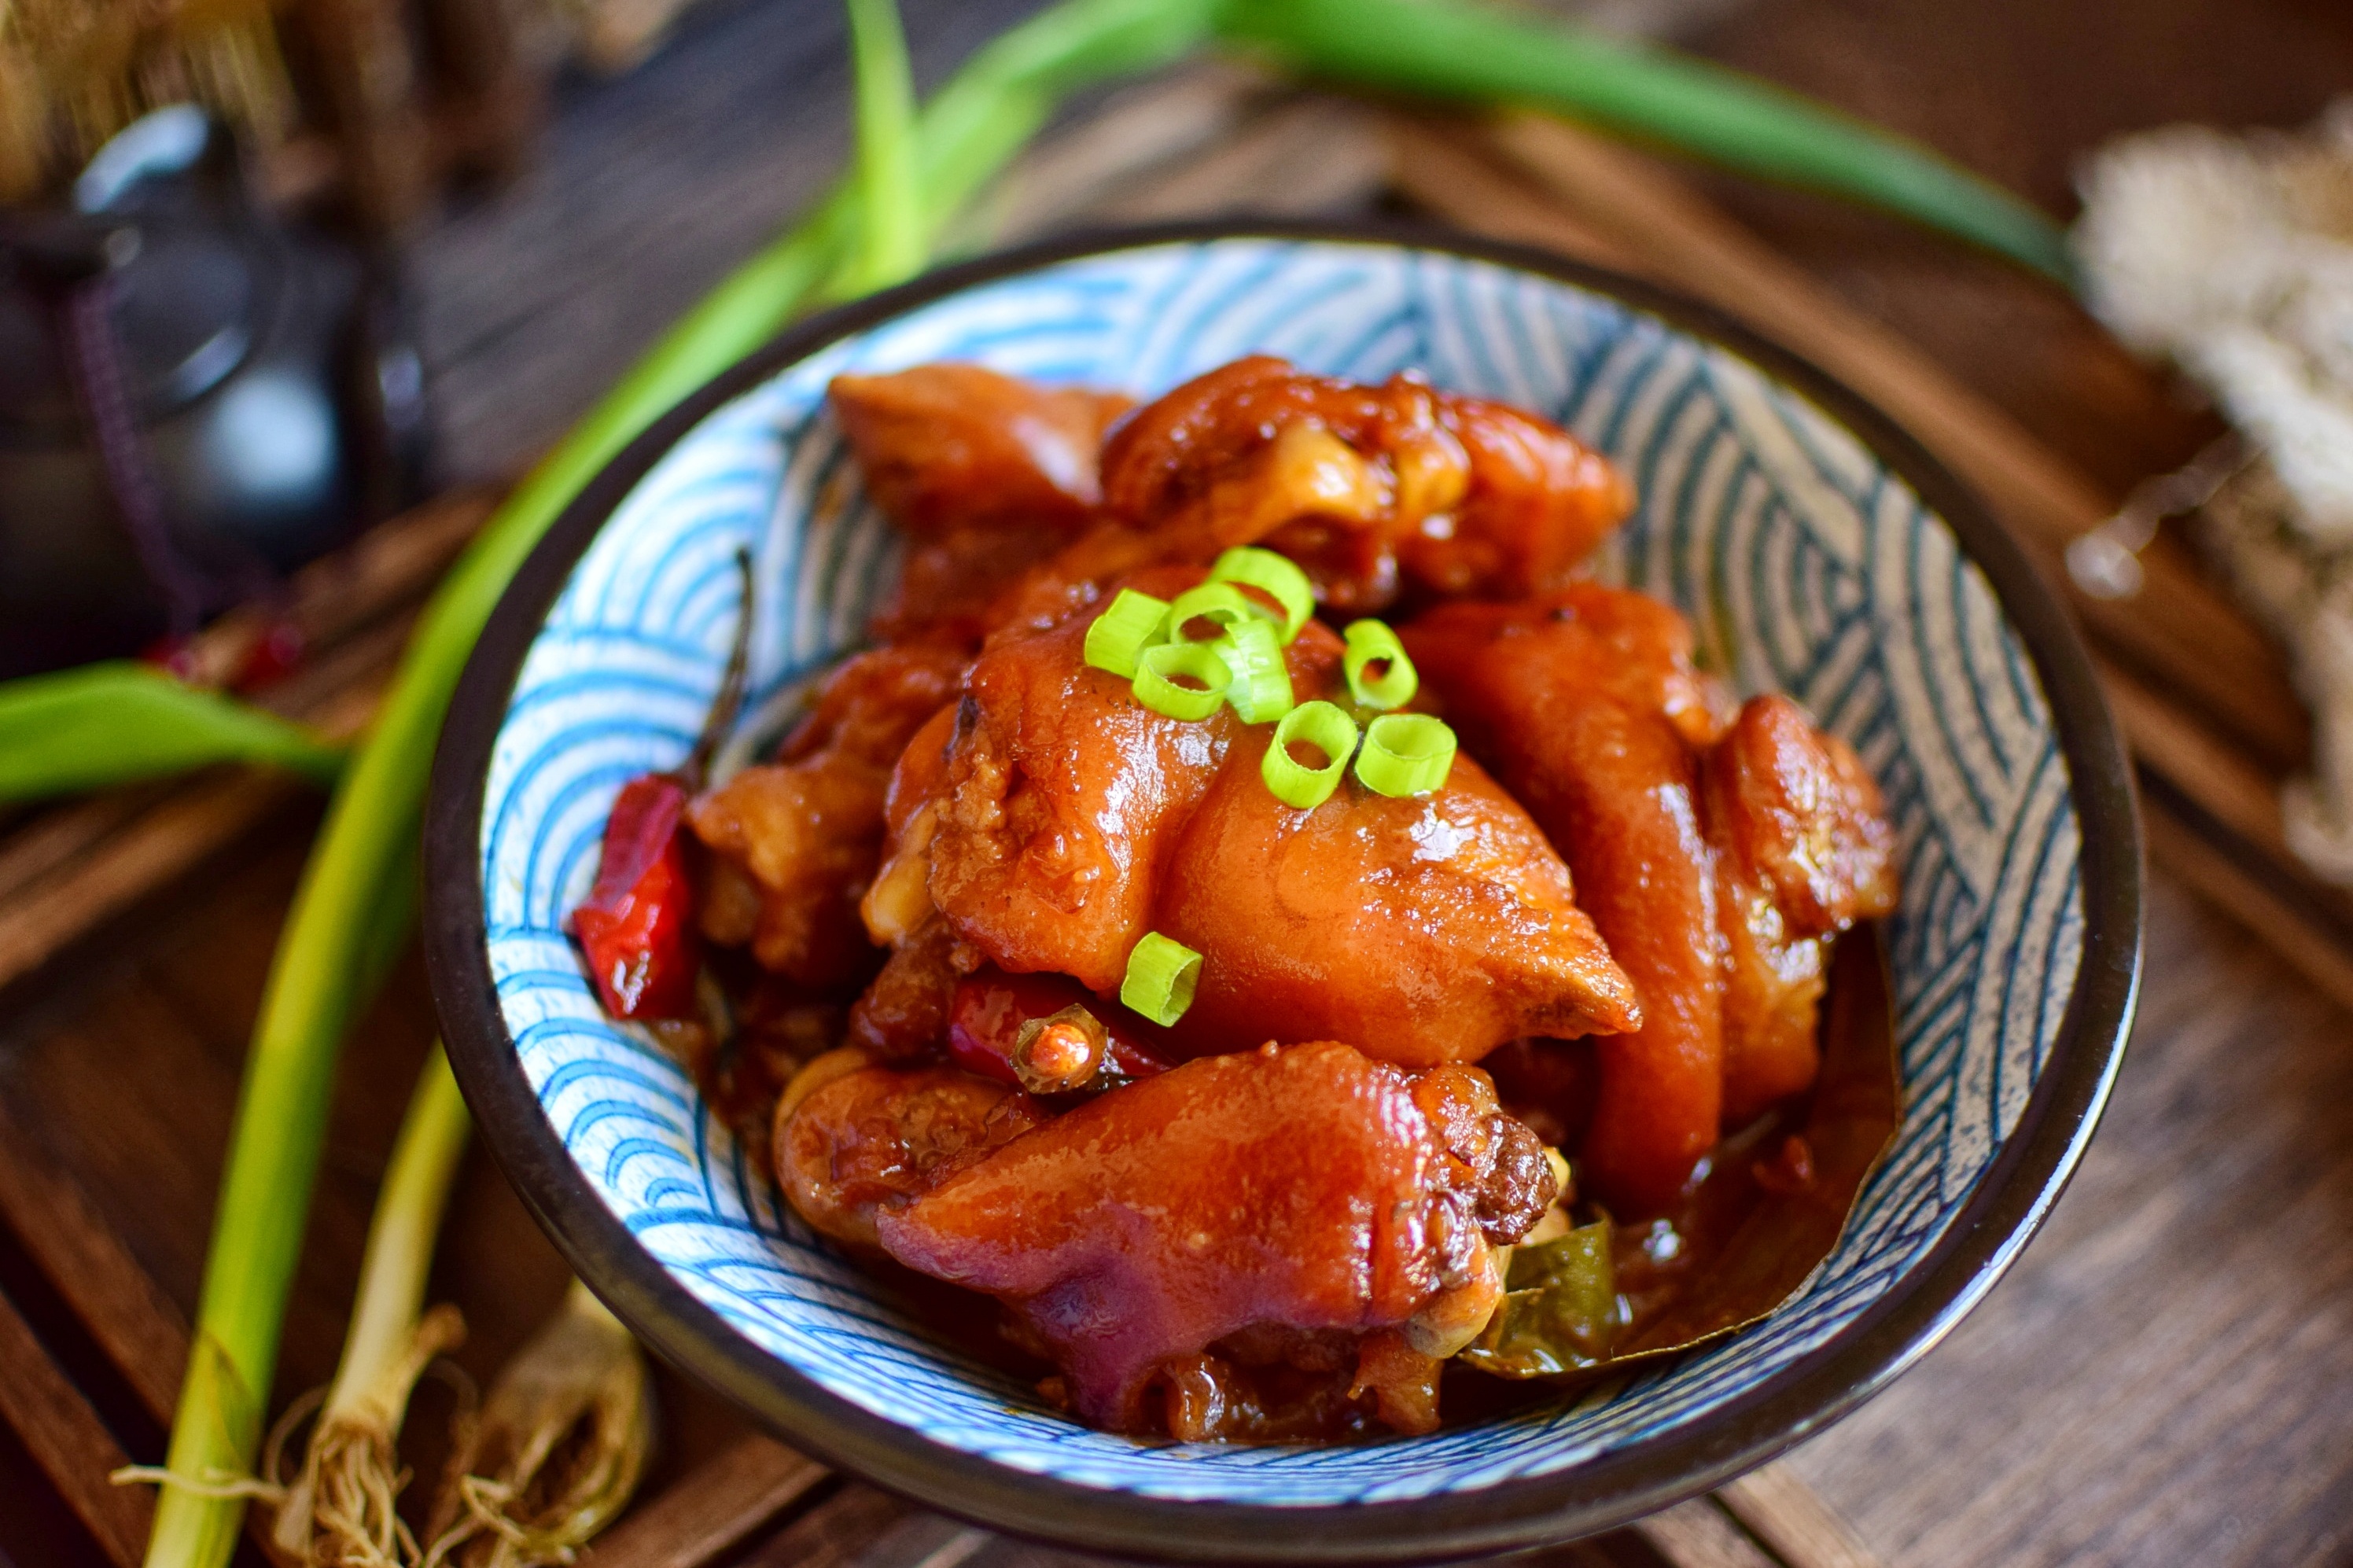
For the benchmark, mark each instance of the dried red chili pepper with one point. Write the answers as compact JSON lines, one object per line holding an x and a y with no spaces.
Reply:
{"x":636,"y":925}
{"x":985,"y":1017}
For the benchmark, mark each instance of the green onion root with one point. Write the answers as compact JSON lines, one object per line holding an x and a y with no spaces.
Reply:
{"x":560,"y":1447}
{"x":342,"y":1507}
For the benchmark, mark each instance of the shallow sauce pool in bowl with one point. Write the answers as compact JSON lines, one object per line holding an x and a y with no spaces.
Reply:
{"x":1815,"y":548}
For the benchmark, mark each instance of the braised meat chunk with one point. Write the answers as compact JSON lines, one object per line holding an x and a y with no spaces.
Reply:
{"x":1804,"y":849}
{"x":1300,"y":1188}
{"x":1063,"y":795}
{"x":1258,"y":930}
{"x":794,"y":843}
{"x":1716,"y":858}
{"x":871,"y":1140}
{"x":1374,"y":490}
{"x":1421,"y":929}
{"x":985,"y":473}
{"x":1585,"y":702}
{"x":944,"y":446}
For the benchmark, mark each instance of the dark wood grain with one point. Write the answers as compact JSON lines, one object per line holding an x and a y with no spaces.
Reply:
{"x":2164,"y":1376}
{"x":2162,"y":1379}
{"x":68,"y":1441}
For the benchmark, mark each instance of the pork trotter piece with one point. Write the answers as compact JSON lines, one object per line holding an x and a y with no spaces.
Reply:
{"x":1421,"y":930}
{"x":985,"y":474}
{"x":1303,"y":1188}
{"x":1804,"y":850}
{"x":794,"y":843}
{"x":1588,"y":706}
{"x":1063,"y":794}
{"x":874,"y":1139}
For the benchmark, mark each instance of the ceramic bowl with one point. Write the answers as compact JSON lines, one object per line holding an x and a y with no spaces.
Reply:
{"x":1819,"y":551}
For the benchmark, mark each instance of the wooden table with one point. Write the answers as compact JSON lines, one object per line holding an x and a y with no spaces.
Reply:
{"x":2166,"y":1377}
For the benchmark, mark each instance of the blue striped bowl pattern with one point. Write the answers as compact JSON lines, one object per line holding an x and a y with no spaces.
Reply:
{"x":1806,"y":566}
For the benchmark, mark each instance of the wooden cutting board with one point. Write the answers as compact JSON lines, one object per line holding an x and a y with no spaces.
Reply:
{"x":130,"y":980}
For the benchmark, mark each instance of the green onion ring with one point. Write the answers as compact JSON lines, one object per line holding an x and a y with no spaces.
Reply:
{"x":1322,"y":726}
{"x":1161,"y":978}
{"x":1371,"y":643}
{"x":1274,"y":576}
{"x":1155,"y":687}
{"x":1260,"y":692}
{"x":1222,"y":603}
{"x":1118,"y":637}
{"x":1405,"y":754}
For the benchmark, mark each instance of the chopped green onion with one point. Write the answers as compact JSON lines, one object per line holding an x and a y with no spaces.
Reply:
{"x":1221,"y":604}
{"x":1329,"y":730}
{"x":1119,"y":635}
{"x":1156,"y":680}
{"x":1276,"y":576}
{"x":1161,"y":978}
{"x":1405,"y":754}
{"x":1260,"y":692}
{"x":1371,"y":643}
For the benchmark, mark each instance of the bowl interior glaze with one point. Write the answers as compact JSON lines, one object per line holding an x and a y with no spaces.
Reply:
{"x":1792,"y":527}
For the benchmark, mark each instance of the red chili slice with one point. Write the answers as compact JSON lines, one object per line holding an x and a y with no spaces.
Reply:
{"x":636,"y":925}
{"x":991,"y":1006}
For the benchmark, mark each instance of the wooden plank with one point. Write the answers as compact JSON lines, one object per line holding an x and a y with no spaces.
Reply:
{"x":72,"y":1445}
{"x":196,"y":820}
{"x":712,"y":1511}
{"x":833,"y":1533}
{"x":139,"y":1328}
{"x":1792,"y":1522}
{"x":1699,"y":1534}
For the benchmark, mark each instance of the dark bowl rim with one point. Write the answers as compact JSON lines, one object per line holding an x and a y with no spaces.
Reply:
{"x":2006,"y":1205}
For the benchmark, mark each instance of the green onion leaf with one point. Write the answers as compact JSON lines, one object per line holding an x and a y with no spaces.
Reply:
{"x":1329,"y":730}
{"x":1159,"y":669}
{"x":1371,"y":643}
{"x":1260,"y":692}
{"x":1489,"y":56}
{"x":1405,"y":754}
{"x":1161,"y":978}
{"x":1220,"y":604}
{"x":1117,"y":637}
{"x":1559,"y":1311}
{"x":1277,"y":576}
{"x":118,"y":722}
{"x":893,"y":246}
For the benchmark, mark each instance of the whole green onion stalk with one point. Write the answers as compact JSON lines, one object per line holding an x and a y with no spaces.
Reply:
{"x":978,"y":120}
